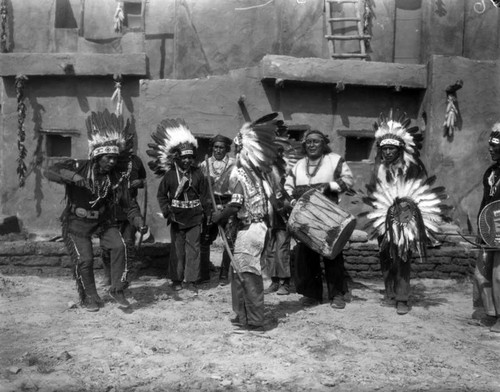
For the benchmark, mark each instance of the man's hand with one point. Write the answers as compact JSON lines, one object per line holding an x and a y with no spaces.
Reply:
{"x":334,"y":186}
{"x":137,"y":222}
{"x":138,"y":183}
{"x":216,"y":217}
{"x":143,"y":229}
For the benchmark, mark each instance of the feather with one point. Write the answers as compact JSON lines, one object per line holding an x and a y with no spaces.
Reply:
{"x":257,"y":143}
{"x":405,"y":211}
{"x":108,"y":129}
{"x":169,"y":135}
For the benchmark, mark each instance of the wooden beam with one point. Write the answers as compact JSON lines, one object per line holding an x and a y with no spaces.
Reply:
{"x":76,"y":64}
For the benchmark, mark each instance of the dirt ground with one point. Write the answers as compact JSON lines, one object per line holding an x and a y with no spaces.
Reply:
{"x":173,"y":341}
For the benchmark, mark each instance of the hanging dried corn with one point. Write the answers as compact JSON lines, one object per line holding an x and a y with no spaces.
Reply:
{"x":452,"y":116}
{"x":4,"y":47}
{"x":21,"y":135}
{"x":116,"y":98}
{"x":119,"y":18}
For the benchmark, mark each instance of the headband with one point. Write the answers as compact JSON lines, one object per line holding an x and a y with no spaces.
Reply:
{"x":187,"y":152}
{"x":390,"y":142}
{"x":494,"y":140}
{"x":105,"y":150}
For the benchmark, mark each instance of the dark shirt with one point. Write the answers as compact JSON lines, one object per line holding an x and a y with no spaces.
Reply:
{"x":117,"y":196}
{"x":195,"y":190}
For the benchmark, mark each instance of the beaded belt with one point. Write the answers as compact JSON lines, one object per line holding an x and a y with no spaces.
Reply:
{"x":185,"y":204}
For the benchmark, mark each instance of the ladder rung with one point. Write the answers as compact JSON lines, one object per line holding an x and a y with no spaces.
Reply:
{"x":347,"y":55}
{"x":344,"y":19}
{"x":347,"y":37}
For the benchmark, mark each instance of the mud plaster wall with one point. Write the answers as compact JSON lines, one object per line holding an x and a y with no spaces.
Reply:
{"x":461,"y":161}
{"x":52,"y":103}
{"x":196,"y":38}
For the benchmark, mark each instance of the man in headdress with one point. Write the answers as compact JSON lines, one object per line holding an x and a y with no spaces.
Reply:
{"x":251,"y":201}
{"x":95,"y":189}
{"x":219,"y":168}
{"x":397,"y":161}
{"x":328,"y":172}
{"x":183,"y":199}
{"x":487,"y":270}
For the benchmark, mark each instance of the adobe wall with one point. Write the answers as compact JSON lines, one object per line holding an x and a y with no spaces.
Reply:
{"x":460,"y":161}
{"x":196,"y":38}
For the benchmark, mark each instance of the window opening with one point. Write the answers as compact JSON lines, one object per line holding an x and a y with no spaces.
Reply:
{"x":58,"y":146}
{"x":358,"y":144}
{"x":297,"y":131}
{"x":358,"y":148}
{"x":133,"y":15}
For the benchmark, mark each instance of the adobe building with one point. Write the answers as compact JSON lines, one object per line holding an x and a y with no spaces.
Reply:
{"x":330,"y":65}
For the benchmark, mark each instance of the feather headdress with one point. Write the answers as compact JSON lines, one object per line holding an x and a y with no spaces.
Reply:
{"x":108,"y":134}
{"x":406,"y":213}
{"x":398,"y":133}
{"x":172,"y":139}
{"x":256,"y":144}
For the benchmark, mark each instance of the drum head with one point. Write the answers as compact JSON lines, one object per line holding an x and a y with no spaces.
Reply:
{"x":321,"y":224}
{"x":489,"y":224}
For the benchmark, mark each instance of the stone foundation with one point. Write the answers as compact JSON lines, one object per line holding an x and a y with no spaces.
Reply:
{"x":450,"y":261}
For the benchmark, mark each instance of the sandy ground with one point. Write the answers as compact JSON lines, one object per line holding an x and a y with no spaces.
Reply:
{"x":173,"y":341}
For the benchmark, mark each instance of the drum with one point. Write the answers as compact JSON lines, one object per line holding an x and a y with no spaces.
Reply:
{"x":489,"y":224}
{"x":321,"y":224}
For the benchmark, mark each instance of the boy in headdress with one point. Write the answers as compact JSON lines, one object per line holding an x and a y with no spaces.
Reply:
{"x":95,"y":189}
{"x":218,"y":170}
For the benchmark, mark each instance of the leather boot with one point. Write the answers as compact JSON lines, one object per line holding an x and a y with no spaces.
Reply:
{"x":106,"y":267}
{"x":91,"y":300}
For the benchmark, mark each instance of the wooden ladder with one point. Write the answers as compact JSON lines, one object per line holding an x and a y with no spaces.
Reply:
{"x":332,"y":6}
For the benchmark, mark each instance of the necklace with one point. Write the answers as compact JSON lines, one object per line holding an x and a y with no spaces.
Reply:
{"x":308,"y":167}
{"x":217,"y":172}
{"x":100,"y":190}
